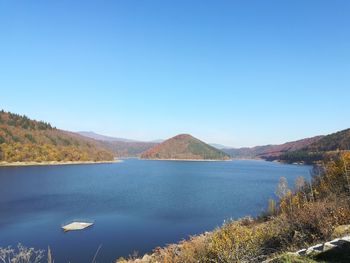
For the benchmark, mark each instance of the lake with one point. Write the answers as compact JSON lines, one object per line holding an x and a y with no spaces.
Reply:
{"x":136,"y":205}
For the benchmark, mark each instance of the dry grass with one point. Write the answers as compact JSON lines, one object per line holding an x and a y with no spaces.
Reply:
{"x":21,"y":254}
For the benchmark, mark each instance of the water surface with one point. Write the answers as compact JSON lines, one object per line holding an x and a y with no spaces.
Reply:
{"x":137,"y":205}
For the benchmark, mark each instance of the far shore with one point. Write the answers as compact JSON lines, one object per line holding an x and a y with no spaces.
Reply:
{"x":55,"y":163}
{"x":186,"y":160}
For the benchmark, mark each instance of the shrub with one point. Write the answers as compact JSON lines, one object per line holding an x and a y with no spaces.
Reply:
{"x":238,"y":241}
{"x":21,"y":254}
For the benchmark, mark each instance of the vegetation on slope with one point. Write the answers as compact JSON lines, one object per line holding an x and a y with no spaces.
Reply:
{"x":303,"y":216}
{"x":184,"y":146}
{"x":325,"y":147}
{"x":308,"y":150}
{"x":271,"y":151}
{"x":332,"y":142}
{"x":26,"y":140}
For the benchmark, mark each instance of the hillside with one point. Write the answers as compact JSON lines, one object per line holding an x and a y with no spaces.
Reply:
{"x":332,"y":142}
{"x":119,"y":146}
{"x":269,"y":151}
{"x":328,"y":146}
{"x":184,"y":146}
{"x":26,"y":140}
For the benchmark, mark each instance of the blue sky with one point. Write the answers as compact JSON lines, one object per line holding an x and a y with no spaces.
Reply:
{"x":240,"y":73}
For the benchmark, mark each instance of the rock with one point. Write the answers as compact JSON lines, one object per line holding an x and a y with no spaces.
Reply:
{"x":328,"y":245}
{"x":338,"y":242}
{"x":301,"y":252}
{"x":341,"y":231}
{"x":319,"y":248}
{"x":316,"y":249}
{"x":346,"y":238}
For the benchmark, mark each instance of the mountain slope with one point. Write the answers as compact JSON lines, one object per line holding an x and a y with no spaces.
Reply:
{"x":332,"y":142}
{"x":184,"y":146}
{"x":268,"y":151}
{"x":327,"y":147}
{"x":26,"y":140}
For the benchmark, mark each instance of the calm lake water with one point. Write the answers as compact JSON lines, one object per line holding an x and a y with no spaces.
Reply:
{"x":137,"y":205}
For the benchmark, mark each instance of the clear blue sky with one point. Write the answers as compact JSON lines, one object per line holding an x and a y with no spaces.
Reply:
{"x":240,"y":73}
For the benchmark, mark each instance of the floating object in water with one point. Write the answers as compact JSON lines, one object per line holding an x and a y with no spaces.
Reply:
{"x":76,"y":226}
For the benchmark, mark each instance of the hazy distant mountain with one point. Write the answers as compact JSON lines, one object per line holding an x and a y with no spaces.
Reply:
{"x":184,"y":146}
{"x":219,"y":146}
{"x":26,"y":140}
{"x":119,"y":146}
{"x":271,"y":150}
{"x":128,"y":149}
{"x":100,"y":137}
{"x":157,"y":141}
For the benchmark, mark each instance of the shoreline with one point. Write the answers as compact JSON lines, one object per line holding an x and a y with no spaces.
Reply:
{"x":18,"y":164}
{"x":187,"y":160}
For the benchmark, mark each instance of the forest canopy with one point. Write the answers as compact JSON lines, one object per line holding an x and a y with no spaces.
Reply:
{"x":26,"y":140}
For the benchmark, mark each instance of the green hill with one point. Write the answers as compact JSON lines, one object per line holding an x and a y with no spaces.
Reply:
{"x":184,"y":147}
{"x":26,"y":140}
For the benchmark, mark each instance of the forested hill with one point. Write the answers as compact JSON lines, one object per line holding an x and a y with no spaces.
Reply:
{"x":307,"y":150}
{"x":270,"y":151}
{"x":184,"y":146}
{"x":327,"y":146}
{"x":26,"y":140}
{"x":332,"y":142}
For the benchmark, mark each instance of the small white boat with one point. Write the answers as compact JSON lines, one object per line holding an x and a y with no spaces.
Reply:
{"x":76,"y":226}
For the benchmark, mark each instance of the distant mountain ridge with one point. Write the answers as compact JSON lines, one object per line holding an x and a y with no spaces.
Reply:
{"x":121,"y":147}
{"x":219,"y":146}
{"x":127,"y":149}
{"x":184,"y":147}
{"x":101,"y":137}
